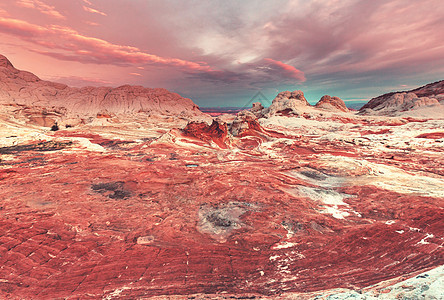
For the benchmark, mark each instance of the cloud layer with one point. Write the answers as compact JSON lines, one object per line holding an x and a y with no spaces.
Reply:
{"x":225,"y":51}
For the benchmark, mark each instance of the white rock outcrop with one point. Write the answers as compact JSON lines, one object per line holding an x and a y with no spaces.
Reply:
{"x":402,"y":103}
{"x":287,"y":103}
{"x":24,"y":89}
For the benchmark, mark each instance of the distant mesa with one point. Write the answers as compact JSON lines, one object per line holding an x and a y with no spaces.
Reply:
{"x":332,"y":103}
{"x":55,"y":102}
{"x":395,"y":103}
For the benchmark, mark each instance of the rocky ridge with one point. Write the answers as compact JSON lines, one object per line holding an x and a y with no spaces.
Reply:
{"x":295,"y":104}
{"x":396,"y":103}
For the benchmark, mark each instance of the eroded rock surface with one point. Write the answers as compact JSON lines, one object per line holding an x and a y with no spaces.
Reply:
{"x":216,"y":133}
{"x":308,"y":207}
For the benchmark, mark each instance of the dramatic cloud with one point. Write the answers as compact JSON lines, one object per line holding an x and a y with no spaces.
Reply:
{"x":21,"y":28}
{"x":89,"y":49}
{"x":227,"y":51}
{"x":287,"y":70}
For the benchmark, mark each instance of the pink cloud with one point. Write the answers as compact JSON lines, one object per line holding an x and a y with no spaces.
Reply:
{"x":20,"y":28}
{"x":42,"y":7}
{"x":88,"y":49}
{"x":287,"y":70}
{"x":91,"y":23}
{"x":94,"y":11}
{"x":79,"y":81}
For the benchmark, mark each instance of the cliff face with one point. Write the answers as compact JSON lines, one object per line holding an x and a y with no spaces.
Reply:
{"x":25,"y":89}
{"x":430,"y":95}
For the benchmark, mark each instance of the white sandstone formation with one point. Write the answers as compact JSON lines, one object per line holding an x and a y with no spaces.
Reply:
{"x":428,"y":99}
{"x":287,"y":103}
{"x":46,"y":102}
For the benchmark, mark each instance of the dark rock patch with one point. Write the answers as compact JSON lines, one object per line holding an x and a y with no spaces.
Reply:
{"x":313,"y":174}
{"x":113,"y":190}
{"x":42,"y":146}
{"x":219,"y":220}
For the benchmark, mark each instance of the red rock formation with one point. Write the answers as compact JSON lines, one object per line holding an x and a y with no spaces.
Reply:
{"x":257,"y":108}
{"x":295,"y":95}
{"x":217,"y":132}
{"x":331,"y":103}
{"x":430,"y":90}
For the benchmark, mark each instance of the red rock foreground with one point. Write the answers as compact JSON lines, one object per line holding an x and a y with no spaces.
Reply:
{"x":300,"y":206}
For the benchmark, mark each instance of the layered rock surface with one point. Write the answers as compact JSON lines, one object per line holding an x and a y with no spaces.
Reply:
{"x":300,"y":208}
{"x":43,"y":98}
{"x":216,"y":133}
{"x":245,"y":123}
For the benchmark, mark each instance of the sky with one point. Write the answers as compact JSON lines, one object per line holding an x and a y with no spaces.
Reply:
{"x":221,"y":53}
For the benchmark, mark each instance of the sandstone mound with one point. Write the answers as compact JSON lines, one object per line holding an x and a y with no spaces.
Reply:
{"x":217,"y":132}
{"x":24,"y":89}
{"x":431,"y":95}
{"x":332,"y":104}
{"x":245,"y":123}
{"x":287,"y":103}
